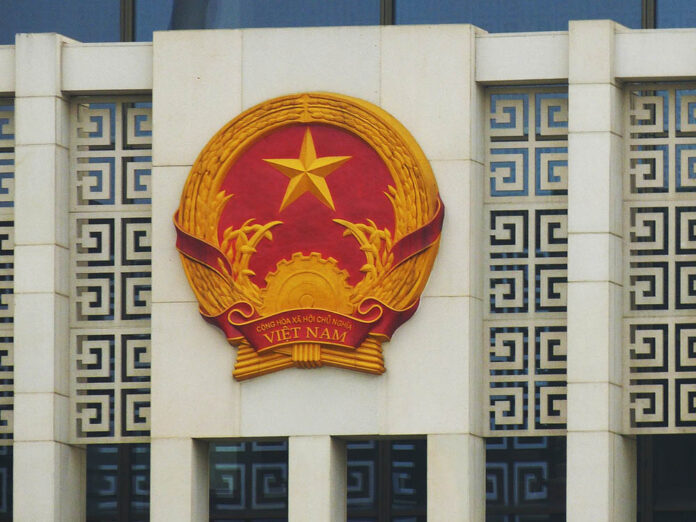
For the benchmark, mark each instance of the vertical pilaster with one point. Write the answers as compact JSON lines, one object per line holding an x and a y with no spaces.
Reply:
{"x":179,"y":481}
{"x":456,"y":461}
{"x":601,"y":461}
{"x":456,"y":465}
{"x":449,"y":128}
{"x":49,"y":473}
{"x":317,"y":479}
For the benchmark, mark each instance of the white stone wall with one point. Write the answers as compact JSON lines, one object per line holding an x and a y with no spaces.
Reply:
{"x":433,"y":360}
{"x":432,"y":79}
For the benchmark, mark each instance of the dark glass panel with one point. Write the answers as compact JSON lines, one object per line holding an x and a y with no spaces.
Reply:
{"x":85,"y":21}
{"x":218,"y":14}
{"x":249,"y":481}
{"x":5,"y":483}
{"x":387,"y":480}
{"x":102,"y":482}
{"x":408,"y":478}
{"x":666,"y":471}
{"x":152,"y":16}
{"x":525,"y":479}
{"x":676,"y":13}
{"x":362,"y":467}
{"x":139,"y":501}
{"x":499,"y":16}
{"x":118,"y":482}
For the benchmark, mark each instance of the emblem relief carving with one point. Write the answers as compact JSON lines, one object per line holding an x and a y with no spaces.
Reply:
{"x":307,"y":229}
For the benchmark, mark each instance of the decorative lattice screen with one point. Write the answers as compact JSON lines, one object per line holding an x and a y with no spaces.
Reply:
{"x":249,"y":479}
{"x":6,"y":270}
{"x":111,"y":141}
{"x":526,"y":209}
{"x":660,"y":249}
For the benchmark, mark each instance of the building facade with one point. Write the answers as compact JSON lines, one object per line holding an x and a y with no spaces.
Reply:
{"x":559,"y":312}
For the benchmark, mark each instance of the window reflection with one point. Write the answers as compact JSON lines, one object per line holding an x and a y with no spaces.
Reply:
{"x":118,"y":483}
{"x":249,"y":481}
{"x":5,"y":483}
{"x":676,"y":13}
{"x":238,"y":14}
{"x":666,"y":470}
{"x":92,"y":21}
{"x":499,"y":16}
{"x":526,"y":479}
{"x":387,"y":480}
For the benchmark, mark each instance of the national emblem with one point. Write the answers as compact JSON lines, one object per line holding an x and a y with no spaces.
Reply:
{"x":313,"y":270}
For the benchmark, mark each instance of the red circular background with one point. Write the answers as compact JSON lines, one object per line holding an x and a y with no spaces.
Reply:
{"x":357,"y":187}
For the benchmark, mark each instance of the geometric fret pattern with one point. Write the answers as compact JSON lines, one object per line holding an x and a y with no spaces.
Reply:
{"x":6,"y":270}
{"x":118,"y":482}
{"x":660,"y":249}
{"x":525,"y":479}
{"x":110,"y":211}
{"x":249,"y":480}
{"x":526,"y":213}
{"x":386,"y":480}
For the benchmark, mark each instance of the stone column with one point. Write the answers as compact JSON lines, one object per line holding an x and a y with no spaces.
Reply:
{"x":456,"y":472}
{"x":317,"y":479}
{"x":601,"y":461}
{"x":179,"y":490}
{"x":49,"y":473}
{"x":416,"y":63}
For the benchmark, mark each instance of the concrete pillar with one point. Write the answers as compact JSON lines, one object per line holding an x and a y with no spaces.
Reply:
{"x":456,"y":477}
{"x":179,"y":480}
{"x":601,"y":461}
{"x":49,"y":473}
{"x":457,"y":158}
{"x":456,"y":462}
{"x":317,"y":479}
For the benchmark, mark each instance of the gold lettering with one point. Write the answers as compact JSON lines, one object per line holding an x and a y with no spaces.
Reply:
{"x":312,"y":331}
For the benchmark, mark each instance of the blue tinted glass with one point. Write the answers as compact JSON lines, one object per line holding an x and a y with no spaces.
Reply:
{"x":86,"y":21}
{"x":499,"y":16}
{"x":152,"y":16}
{"x":388,"y":478}
{"x":526,"y":473}
{"x":109,"y":468}
{"x":676,"y":13}
{"x":249,"y":481}
{"x":5,"y":482}
{"x":217,"y":14}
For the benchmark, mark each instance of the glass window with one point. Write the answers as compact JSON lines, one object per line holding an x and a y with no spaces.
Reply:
{"x":666,"y":471}
{"x":5,"y":483}
{"x":249,"y":481}
{"x":497,"y":16}
{"x":151,"y":16}
{"x":118,"y":483}
{"x":234,"y":14}
{"x":387,"y":481}
{"x":676,"y":13}
{"x":92,"y":21}
{"x":526,"y":479}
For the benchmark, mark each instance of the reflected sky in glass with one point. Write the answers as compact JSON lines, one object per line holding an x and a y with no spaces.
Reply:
{"x":500,"y":16}
{"x":85,"y":21}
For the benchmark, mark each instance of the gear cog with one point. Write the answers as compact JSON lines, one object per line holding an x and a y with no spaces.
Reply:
{"x":307,"y":282}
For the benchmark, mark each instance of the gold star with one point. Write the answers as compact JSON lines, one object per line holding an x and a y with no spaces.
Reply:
{"x":307,"y":173}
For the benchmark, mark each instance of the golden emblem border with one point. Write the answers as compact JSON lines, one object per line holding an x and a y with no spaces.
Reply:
{"x":416,"y":203}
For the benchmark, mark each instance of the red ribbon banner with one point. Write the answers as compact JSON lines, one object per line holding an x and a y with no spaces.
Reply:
{"x":309,"y":325}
